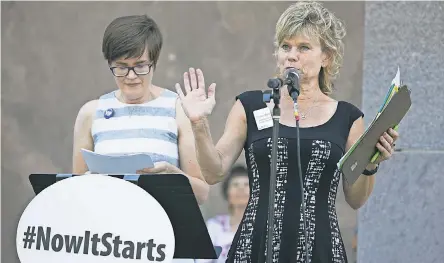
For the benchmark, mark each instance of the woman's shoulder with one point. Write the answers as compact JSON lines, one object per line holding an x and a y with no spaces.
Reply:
{"x":88,"y":109}
{"x":353,"y":111}
{"x":251,"y":99}
{"x":163,"y":92}
{"x":219,"y":222}
{"x":348,"y":113}
{"x":249,"y":95}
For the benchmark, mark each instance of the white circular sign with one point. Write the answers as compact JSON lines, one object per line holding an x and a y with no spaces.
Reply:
{"x":94,"y":218}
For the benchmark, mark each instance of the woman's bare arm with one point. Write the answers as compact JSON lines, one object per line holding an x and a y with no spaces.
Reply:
{"x":216,"y":160}
{"x":82,"y":136}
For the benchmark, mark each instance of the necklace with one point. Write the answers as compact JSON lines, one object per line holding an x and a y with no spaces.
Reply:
{"x":305,"y":115}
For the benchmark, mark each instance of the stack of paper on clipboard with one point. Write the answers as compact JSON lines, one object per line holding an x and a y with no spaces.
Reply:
{"x":116,"y":163}
{"x":395,"y":106}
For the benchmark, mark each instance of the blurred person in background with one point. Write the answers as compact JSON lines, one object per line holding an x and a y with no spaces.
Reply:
{"x":138,"y":116}
{"x":308,"y":38}
{"x":236,"y":191}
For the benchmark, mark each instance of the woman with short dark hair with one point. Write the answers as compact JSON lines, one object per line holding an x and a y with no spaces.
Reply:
{"x":138,"y":117}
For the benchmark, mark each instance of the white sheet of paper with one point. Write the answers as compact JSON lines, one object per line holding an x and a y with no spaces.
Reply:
{"x":116,"y":164}
{"x":397,"y":79}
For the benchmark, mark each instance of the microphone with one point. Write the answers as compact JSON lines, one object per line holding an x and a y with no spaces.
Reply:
{"x":291,"y":76}
{"x":275,"y":83}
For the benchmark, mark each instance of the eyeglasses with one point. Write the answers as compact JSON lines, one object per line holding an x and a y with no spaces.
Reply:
{"x":121,"y":71}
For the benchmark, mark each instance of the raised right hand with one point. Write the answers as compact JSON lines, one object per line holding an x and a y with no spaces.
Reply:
{"x":195,"y":102}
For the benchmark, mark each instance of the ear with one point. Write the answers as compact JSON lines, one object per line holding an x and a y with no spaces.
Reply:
{"x":326,"y":58}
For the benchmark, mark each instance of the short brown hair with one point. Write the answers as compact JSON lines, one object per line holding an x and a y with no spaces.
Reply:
{"x":129,"y":36}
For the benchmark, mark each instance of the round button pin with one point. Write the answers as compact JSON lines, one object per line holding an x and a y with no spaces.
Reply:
{"x":108,"y":113}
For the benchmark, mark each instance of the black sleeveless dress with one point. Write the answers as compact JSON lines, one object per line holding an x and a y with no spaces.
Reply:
{"x":321,"y":148}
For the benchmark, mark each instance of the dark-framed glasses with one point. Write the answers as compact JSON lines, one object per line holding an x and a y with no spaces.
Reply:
{"x":122,"y":71}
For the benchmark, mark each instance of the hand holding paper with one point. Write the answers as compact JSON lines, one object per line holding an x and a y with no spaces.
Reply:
{"x":374,"y":145}
{"x":394,"y":88}
{"x":160,"y":168}
{"x":385,"y":146}
{"x":116,"y":164}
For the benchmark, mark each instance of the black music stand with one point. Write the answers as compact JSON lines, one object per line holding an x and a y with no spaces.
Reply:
{"x":174,"y":194}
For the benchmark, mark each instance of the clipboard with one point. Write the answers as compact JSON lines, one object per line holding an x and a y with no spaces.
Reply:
{"x":360,"y":155}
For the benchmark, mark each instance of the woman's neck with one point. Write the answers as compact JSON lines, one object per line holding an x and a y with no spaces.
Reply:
{"x":148,"y":96}
{"x":307,"y":92}
{"x":236,"y":215}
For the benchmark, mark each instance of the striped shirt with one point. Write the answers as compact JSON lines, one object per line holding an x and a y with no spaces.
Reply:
{"x":149,"y":128}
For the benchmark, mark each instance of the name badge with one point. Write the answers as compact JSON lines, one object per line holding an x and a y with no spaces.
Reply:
{"x":263,"y":118}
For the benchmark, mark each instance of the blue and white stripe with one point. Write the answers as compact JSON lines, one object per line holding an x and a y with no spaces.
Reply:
{"x":145,"y":128}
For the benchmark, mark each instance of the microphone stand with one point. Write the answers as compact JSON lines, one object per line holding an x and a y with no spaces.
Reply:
{"x":276,"y":115}
{"x":276,"y":96}
{"x":294,"y":93}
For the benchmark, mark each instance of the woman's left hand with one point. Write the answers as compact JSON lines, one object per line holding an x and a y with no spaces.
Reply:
{"x":160,"y":168}
{"x":386,"y":145}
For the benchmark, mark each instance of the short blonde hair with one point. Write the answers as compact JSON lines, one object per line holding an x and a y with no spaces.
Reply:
{"x":314,"y":21}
